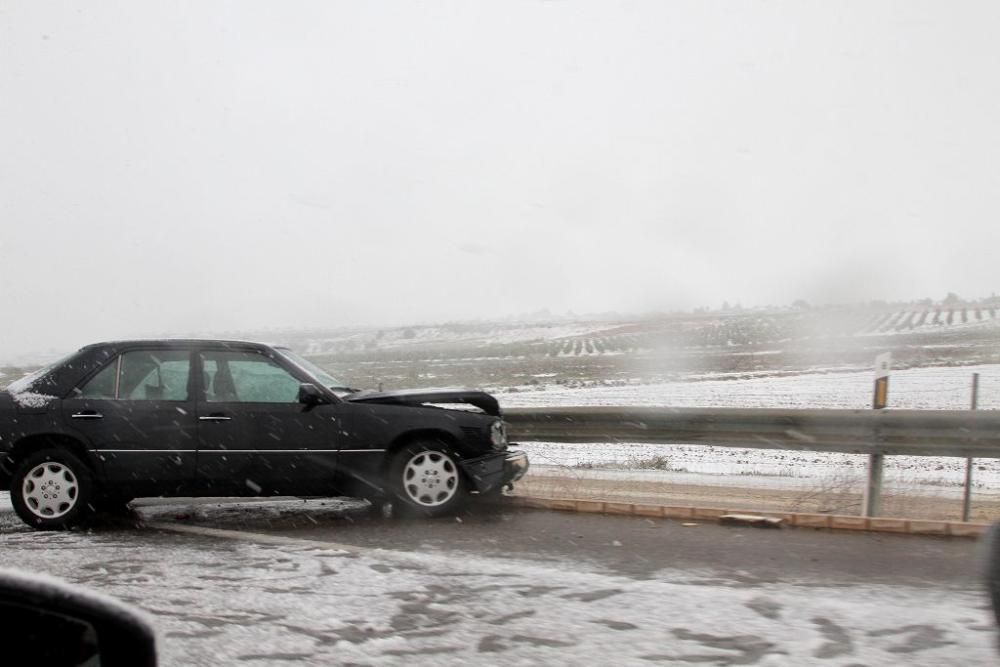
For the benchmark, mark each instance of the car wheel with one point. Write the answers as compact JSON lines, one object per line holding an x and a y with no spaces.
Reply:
{"x":427,"y":480}
{"x":51,"y":490}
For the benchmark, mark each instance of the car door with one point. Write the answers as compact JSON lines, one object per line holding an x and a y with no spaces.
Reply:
{"x":138,"y":415}
{"x":254,"y":437}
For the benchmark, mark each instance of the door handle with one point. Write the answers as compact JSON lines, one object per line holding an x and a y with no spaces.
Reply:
{"x":215,"y":418}
{"x":87,"y":414}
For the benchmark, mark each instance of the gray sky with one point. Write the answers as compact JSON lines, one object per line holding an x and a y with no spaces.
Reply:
{"x":179,"y":166}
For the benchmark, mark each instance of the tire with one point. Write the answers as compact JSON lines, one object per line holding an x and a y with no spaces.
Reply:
{"x":426,"y":480}
{"x":52,"y":490}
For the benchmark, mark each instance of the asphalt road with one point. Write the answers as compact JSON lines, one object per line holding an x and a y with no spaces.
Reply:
{"x":640,"y":547}
{"x":328,"y":582}
{"x":631,"y":546}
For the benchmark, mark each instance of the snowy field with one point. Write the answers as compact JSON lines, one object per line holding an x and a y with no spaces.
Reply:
{"x":218,"y":602}
{"x":921,"y":388}
{"x":449,"y":336}
{"x":946,"y":388}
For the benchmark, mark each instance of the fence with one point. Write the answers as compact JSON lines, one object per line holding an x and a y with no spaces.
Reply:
{"x":958,"y":433}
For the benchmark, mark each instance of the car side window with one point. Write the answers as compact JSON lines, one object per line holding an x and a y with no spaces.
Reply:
{"x":246,"y":377}
{"x":142,"y":375}
{"x":154,"y":375}
{"x":101,"y":385}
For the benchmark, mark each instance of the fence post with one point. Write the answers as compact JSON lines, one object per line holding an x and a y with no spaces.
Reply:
{"x":967,"y":496}
{"x":872,"y":500}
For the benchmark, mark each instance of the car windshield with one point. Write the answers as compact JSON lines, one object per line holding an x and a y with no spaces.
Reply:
{"x":316,"y":371}
{"x":24,"y":382}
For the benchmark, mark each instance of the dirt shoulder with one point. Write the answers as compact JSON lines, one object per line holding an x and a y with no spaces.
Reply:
{"x":821,"y":499}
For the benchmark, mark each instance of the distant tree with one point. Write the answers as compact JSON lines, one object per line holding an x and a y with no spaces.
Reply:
{"x":801,"y":304}
{"x":952,"y":299}
{"x":409,"y":333}
{"x":379,"y":335}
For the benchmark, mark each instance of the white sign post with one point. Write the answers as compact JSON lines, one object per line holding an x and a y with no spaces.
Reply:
{"x":882,"y":364}
{"x":873,"y":488}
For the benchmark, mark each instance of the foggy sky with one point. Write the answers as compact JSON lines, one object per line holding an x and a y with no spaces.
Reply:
{"x":206,"y":166}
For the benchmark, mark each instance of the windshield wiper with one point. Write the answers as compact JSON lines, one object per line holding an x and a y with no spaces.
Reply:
{"x":343,"y":388}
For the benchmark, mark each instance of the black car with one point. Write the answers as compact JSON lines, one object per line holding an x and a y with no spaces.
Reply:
{"x":121,"y":420}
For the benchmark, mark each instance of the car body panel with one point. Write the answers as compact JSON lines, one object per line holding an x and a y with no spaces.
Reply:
{"x":277,"y":448}
{"x":205,"y":446}
{"x":420,"y":397}
{"x":146,"y":447}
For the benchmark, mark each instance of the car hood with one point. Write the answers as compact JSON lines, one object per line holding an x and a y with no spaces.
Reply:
{"x":422,"y":397}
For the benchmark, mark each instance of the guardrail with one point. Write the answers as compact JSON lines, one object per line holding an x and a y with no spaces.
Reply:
{"x":960,"y":433}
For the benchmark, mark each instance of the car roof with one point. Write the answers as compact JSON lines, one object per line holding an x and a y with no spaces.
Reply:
{"x":183,"y":343}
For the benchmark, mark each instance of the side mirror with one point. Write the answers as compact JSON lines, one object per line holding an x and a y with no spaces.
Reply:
{"x":309,"y":394}
{"x":47,"y":622}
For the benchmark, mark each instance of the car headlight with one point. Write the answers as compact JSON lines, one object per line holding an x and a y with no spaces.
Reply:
{"x":498,"y":435}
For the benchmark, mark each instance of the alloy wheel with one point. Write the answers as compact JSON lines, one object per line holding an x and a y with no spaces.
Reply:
{"x":430,"y":478}
{"x":50,"y":490}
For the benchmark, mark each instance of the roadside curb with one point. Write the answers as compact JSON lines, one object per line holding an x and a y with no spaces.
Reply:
{"x":795,"y":519}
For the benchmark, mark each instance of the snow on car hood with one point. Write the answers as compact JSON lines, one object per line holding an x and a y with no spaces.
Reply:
{"x":437,"y":397}
{"x":25,"y":400}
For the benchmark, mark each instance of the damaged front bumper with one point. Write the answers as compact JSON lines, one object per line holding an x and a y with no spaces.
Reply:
{"x":495,"y":470}
{"x":515,"y":466}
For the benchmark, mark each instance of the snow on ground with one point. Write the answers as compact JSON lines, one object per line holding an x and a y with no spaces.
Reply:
{"x":232,"y":512}
{"x":919,"y":388}
{"x":791,"y":474}
{"x":934,"y":322}
{"x":756,"y":468}
{"x":943,"y":388}
{"x":445,"y":335}
{"x":225,"y":602}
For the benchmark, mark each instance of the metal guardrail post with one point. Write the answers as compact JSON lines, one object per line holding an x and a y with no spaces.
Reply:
{"x":872,"y":503}
{"x":872,"y":498}
{"x":967,"y":495}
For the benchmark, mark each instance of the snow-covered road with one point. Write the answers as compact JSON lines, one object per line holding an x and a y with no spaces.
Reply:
{"x":219,"y":601}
